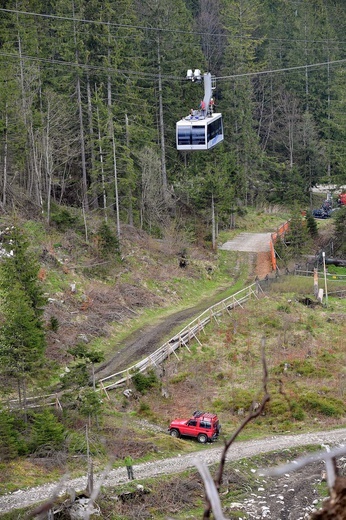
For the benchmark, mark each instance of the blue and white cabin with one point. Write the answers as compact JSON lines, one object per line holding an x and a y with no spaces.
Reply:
{"x":199,"y":132}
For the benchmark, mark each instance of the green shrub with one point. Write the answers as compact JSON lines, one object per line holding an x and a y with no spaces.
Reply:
{"x":308,"y":368}
{"x":179,"y":378}
{"x":311,"y":225}
{"x":62,"y":218}
{"x":77,"y":376}
{"x":284,"y":308}
{"x":241,"y":398}
{"x":145,"y":411}
{"x":297,"y":411}
{"x":54,"y":324}
{"x":269,"y":321}
{"x":89,"y":403}
{"x":327,"y":356}
{"x":144,"y":407}
{"x":220,"y":405}
{"x":329,"y":406}
{"x":108,"y":241}
{"x":142,"y":382}
{"x":76,"y":443}
{"x":278,"y":407}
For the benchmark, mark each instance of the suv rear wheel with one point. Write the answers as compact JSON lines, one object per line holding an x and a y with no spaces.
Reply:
{"x":174,"y":433}
{"x":202,"y":438}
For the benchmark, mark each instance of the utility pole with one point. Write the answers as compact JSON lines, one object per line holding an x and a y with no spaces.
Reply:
{"x":325,"y":276}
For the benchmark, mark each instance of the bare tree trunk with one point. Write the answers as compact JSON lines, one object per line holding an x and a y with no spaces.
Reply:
{"x":111,"y":130}
{"x":48,"y":167}
{"x":92,"y":154}
{"x":130,"y":210}
{"x":35,"y":167}
{"x":102,"y":168}
{"x":31,"y":159}
{"x":81,"y":134}
{"x":115,"y":174}
{"x":85,"y":224}
{"x":306,"y":68}
{"x":81,"y":125}
{"x":4,"y":177}
{"x":291,"y":139}
{"x":162,"y":127}
{"x":25,"y":402}
{"x":213,"y":227}
{"x":329,"y":118}
{"x":24,"y":113}
{"x":19,"y":393}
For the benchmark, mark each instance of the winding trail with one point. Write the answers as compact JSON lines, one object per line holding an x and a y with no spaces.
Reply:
{"x":146,"y":340}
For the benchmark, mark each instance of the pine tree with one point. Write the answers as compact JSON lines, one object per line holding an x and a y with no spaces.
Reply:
{"x":297,"y":236}
{"x":8,"y":437}
{"x":340,"y":230}
{"x":47,"y":432}
{"x":22,"y":337}
{"x":311,"y":225}
{"x":21,"y":266}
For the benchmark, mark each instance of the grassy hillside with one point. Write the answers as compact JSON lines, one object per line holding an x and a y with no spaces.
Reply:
{"x":98,"y":299}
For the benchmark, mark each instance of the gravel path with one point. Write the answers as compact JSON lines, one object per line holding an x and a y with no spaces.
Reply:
{"x":210,"y":455}
{"x":250,"y":242}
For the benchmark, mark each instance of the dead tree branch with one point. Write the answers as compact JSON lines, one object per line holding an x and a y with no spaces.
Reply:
{"x":253,"y":414}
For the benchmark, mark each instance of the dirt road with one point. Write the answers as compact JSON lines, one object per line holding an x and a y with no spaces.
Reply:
{"x":145,"y":341}
{"x":209,"y":455}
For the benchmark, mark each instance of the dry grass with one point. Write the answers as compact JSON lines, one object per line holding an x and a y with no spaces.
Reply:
{"x":305,"y":352}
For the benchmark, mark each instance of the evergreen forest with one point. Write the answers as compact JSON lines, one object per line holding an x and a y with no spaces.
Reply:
{"x":91,"y":92}
{"x":107,"y":229}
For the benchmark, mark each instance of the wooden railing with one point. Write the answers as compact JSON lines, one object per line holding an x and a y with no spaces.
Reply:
{"x":330,"y":276}
{"x":183,"y":338}
{"x":31,"y":402}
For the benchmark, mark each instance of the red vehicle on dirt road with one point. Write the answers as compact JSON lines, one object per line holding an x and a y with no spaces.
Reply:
{"x":203,"y":426}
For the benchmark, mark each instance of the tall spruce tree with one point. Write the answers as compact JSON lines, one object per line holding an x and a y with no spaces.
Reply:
{"x":22,"y":337}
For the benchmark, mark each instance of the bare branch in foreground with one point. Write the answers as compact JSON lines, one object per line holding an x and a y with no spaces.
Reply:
{"x":328,"y":457}
{"x":42,"y":510}
{"x":211,"y":491}
{"x":96,"y":491}
{"x":253,"y":414}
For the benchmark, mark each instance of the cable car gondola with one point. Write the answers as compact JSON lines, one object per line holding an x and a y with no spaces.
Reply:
{"x":199,"y":132}
{"x":201,"y":129}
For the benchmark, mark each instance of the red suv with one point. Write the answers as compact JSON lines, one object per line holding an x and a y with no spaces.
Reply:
{"x":203,"y":426}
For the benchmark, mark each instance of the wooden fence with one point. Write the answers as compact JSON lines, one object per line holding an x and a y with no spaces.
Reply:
{"x":33,"y":402}
{"x":182,"y":339}
{"x":330,"y":276}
